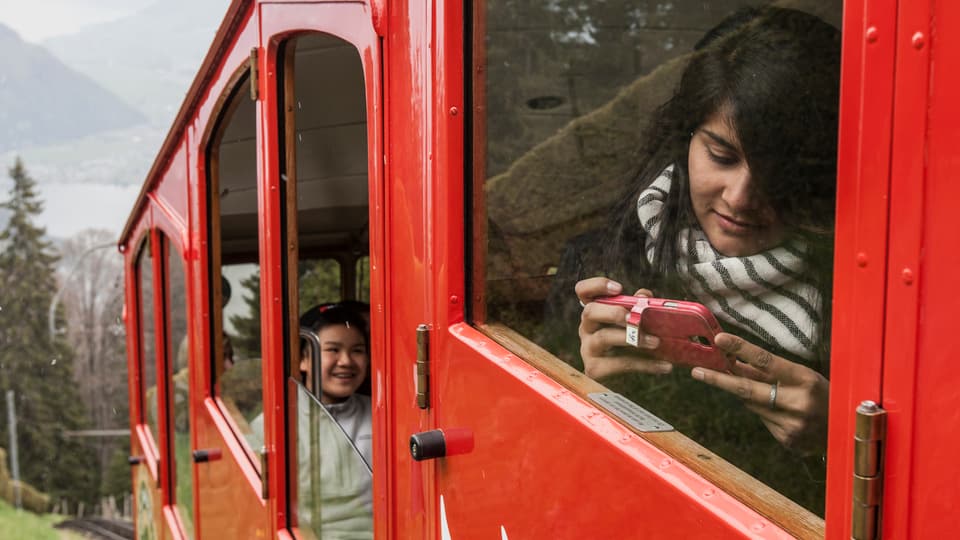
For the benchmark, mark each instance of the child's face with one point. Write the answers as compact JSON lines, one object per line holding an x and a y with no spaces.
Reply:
{"x":343,"y":362}
{"x":732,"y":212}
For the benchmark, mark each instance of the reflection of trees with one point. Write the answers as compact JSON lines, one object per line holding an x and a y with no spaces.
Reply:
{"x":580,"y":51}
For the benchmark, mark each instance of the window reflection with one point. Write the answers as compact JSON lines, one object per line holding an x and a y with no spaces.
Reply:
{"x":147,"y":341}
{"x":179,"y":347}
{"x":235,"y":276}
{"x":687,"y":149}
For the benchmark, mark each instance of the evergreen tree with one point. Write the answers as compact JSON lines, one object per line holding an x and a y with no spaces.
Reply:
{"x":247,"y":340}
{"x":36,"y":366}
{"x":319,"y":282}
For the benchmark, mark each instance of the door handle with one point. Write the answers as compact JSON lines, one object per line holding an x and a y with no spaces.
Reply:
{"x":438,"y":443}
{"x":207,"y":454}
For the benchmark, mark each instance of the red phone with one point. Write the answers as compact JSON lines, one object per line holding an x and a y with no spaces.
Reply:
{"x":686,"y":330}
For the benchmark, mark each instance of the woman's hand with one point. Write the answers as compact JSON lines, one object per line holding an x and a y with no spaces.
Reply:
{"x":603,"y":334}
{"x":790,"y":399}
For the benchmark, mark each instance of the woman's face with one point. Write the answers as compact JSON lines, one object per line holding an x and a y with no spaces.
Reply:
{"x":343,"y":362}
{"x":730,"y":209}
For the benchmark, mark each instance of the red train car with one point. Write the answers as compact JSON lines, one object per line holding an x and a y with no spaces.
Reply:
{"x":437,"y":160}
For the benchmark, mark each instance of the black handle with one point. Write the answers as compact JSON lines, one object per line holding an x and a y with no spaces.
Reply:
{"x":428,"y":445}
{"x":207,"y":454}
{"x":135,"y":460}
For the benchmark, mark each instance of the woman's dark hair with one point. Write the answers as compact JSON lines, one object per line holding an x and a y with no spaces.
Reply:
{"x":775,"y":74}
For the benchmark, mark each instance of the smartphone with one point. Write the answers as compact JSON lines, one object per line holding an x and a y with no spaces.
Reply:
{"x":686,"y":330}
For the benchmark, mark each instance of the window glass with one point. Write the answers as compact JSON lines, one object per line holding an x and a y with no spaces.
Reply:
{"x":325,"y":167}
{"x":147,"y":341}
{"x":241,"y":388}
{"x":686,"y":148}
{"x":363,"y":278}
{"x":332,"y":477}
{"x":179,"y":348}
{"x":319,"y":281}
{"x":234,"y":268}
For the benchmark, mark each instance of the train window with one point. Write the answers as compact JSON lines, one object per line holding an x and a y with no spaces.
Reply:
{"x":234,"y":268}
{"x":149,"y":407}
{"x":324,"y":163}
{"x":178,"y":348}
{"x":363,"y":279}
{"x":686,"y":148}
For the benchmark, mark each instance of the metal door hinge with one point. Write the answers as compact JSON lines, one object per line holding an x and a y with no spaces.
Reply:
{"x":254,"y":74}
{"x":264,"y":478}
{"x":423,"y":366}
{"x":868,"y":443}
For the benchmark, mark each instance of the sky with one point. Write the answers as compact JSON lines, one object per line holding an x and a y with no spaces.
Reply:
{"x":62,"y":216}
{"x":36,"y":20}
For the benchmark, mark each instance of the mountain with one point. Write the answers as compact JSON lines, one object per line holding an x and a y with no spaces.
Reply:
{"x":148,"y":58}
{"x":42,"y":101}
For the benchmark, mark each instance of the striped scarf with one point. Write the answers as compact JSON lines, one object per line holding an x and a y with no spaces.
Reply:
{"x":765,"y":294}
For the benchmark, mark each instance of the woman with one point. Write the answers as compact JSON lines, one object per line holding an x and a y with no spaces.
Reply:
{"x":732,"y":206}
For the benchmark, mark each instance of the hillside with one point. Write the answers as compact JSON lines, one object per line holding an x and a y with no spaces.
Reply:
{"x":148,"y":58}
{"x":43,"y":102}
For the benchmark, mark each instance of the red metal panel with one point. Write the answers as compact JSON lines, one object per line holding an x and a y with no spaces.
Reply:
{"x":866,"y":91}
{"x":612,"y":484}
{"x":905,"y":269}
{"x":271,"y":278}
{"x":407,"y":79}
{"x":172,"y":187}
{"x":921,"y":367}
{"x":228,"y":509}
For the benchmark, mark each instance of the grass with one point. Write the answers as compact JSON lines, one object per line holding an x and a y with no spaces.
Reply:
{"x":26,"y":525}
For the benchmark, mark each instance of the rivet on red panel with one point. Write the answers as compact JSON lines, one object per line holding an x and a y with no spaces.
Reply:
{"x":454,"y":300}
{"x":918,"y":40}
{"x":872,"y":34}
{"x":453,"y":111}
{"x":907,"y":276}
{"x":861,"y":259}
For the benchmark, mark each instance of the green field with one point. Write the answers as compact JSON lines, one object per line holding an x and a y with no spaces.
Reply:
{"x":25,"y":525}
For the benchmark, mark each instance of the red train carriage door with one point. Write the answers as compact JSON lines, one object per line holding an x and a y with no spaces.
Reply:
{"x":528,"y":445}
{"x":231,"y":480}
{"x":320,"y":91}
{"x":163,"y":476}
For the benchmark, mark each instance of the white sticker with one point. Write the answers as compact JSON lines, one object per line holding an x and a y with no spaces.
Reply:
{"x":633,"y":335}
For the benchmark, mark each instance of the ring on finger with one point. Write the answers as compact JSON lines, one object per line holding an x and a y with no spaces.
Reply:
{"x":774,"y":388}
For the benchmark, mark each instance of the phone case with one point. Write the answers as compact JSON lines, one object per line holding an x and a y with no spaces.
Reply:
{"x":686,"y":330}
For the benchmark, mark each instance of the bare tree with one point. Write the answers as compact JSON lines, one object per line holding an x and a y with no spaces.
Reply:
{"x":91,"y":287}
